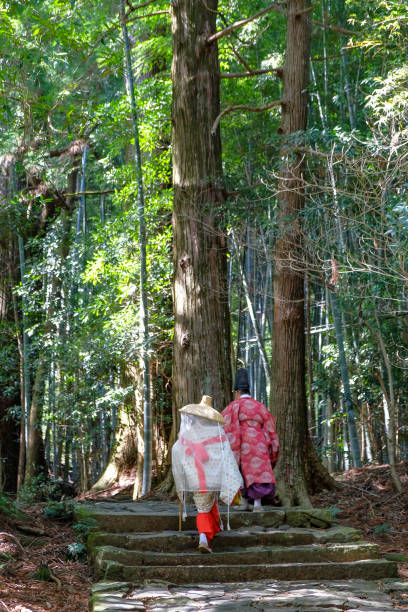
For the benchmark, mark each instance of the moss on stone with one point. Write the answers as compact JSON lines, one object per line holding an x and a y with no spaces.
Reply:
{"x":397,"y":557}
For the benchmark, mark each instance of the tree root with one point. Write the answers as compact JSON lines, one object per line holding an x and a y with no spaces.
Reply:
{"x":14,"y":539}
{"x":30,"y":530}
{"x":317,"y":477}
{"x":166,"y":489}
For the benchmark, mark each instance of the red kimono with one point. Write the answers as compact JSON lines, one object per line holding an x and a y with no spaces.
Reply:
{"x":251,"y":431}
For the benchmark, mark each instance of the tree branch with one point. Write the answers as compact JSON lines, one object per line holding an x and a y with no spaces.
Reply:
{"x":311,"y":151}
{"x":238,"y":24}
{"x":139,"y":6}
{"x":78,"y":193}
{"x":306,"y":10}
{"x":73,"y":148}
{"x":240,"y":75}
{"x":338,"y":29}
{"x":241,"y":59}
{"x":231,"y":75}
{"x":136,"y":17}
{"x":323,"y":59}
{"x":254,"y":109}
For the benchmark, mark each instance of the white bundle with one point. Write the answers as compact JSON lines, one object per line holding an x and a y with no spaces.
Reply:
{"x":202,"y":459}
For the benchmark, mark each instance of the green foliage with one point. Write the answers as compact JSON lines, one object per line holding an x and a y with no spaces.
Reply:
{"x":43,"y":573}
{"x":59,"y":510}
{"x":42,"y":488}
{"x":334,"y":511}
{"x":84,"y":528}
{"x":382,"y":529}
{"x":399,"y":558}
{"x":76,"y":551}
{"x":61,"y":70}
{"x":9,"y":508}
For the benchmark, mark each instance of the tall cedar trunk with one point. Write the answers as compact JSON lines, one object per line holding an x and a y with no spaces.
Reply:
{"x":144,"y":317}
{"x":125,"y":463}
{"x":9,"y":429}
{"x":299,"y":469}
{"x":202,"y":326}
{"x":9,"y":426}
{"x":35,"y":462}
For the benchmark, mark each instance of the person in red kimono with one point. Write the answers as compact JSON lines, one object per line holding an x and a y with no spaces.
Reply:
{"x":251,"y":431}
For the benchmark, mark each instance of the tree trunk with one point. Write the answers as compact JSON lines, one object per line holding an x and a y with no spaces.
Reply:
{"x":35,"y":462}
{"x":144,"y":319}
{"x":251,"y":306}
{"x":390,"y":421}
{"x":11,"y":364}
{"x":309,"y":353}
{"x":299,"y":468}
{"x":124,"y":467}
{"x":202,"y":326}
{"x":345,"y":379}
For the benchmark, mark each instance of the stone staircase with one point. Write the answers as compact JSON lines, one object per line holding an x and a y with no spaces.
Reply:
{"x":139,"y":542}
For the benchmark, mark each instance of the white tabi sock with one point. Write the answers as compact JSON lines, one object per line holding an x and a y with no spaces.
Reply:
{"x":257,"y":503}
{"x":203,"y":539}
{"x":244,"y":504}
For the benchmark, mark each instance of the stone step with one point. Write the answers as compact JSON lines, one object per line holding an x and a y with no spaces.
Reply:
{"x":174,"y":541}
{"x":371,"y":569}
{"x":313,"y":553}
{"x":261,"y":596}
{"x":144,"y":517}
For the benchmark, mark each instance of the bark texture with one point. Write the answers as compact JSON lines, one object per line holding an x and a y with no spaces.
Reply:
{"x":298,"y":470}
{"x":202,"y":327}
{"x":124,"y":468}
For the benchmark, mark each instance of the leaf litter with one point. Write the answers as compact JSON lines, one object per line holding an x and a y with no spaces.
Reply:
{"x":24,"y":557}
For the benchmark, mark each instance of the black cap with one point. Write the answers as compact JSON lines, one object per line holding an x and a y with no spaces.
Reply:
{"x":241,"y":380}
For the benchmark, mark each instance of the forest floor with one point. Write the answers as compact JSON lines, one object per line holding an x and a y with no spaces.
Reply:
{"x":47,"y":545}
{"x":367,"y":501}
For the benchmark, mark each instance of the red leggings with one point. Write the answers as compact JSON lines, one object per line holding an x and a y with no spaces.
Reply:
{"x":209,"y":522}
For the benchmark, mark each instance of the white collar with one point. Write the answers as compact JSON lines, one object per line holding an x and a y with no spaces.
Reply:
{"x":245,"y":395}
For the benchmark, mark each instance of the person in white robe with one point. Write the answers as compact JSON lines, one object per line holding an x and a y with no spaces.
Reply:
{"x":204,"y":465}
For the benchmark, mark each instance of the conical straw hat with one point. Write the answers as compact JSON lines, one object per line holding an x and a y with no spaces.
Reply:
{"x":204,"y":409}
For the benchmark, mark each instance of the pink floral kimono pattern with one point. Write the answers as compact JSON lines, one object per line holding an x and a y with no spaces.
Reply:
{"x":251,"y":431}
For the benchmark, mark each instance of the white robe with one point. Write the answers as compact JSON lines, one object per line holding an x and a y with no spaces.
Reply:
{"x":202,"y":459}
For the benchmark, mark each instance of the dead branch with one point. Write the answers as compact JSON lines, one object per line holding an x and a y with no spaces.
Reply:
{"x":311,"y":151}
{"x":254,"y":109}
{"x":360,"y":489}
{"x":147,"y":15}
{"x":241,"y":75}
{"x":3,"y":606}
{"x":55,"y":579}
{"x":241,"y":59}
{"x":338,"y":29}
{"x":238,"y":24}
{"x":78,"y":193}
{"x":30,"y":530}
